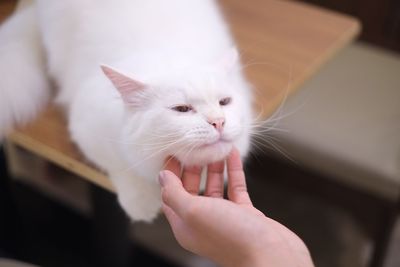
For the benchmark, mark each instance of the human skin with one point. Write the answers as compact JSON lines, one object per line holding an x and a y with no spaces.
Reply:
{"x":231,"y":232}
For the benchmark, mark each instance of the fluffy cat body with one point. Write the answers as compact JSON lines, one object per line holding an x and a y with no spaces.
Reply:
{"x":169,"y":55}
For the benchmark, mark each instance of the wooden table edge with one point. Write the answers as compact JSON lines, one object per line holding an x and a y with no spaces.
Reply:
{"x":347,"y":37}
{"x":90,"y":173}
{"x":79,"y":168}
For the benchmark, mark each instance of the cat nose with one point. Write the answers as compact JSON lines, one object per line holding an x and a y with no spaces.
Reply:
{"x":218,"y":123}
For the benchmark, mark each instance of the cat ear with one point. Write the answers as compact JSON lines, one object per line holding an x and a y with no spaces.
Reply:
{"x":131,"y":90}
{"x":229,"y":59}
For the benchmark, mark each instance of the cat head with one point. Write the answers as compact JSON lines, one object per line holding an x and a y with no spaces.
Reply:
{"x":196,"y":115}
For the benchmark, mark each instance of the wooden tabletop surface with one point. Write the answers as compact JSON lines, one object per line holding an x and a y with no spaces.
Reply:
{"x":282,"y":44}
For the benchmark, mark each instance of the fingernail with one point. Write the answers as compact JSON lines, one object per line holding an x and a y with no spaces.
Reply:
{"x":161,"y":178}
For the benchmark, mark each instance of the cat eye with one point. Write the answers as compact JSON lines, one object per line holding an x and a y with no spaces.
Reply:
{"x":225,"y":101}
{"x":182,"y":108}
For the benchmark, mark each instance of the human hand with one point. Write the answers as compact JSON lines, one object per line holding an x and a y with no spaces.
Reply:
{"x":231,"y":232}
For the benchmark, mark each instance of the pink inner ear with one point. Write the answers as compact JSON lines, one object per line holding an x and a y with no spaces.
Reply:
{"x":130,"y":89}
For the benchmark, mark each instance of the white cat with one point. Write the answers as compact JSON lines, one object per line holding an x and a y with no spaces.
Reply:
{"x":139,"y":80}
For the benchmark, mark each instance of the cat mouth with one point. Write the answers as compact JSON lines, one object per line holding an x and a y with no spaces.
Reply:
{"x":206,"y":153}
{"x":216,"y":143}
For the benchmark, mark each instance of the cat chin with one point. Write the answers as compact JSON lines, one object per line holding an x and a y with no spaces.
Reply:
{"x":206,"y":155}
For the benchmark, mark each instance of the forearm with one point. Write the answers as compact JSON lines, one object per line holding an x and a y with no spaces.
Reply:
{"x":275,"y":256}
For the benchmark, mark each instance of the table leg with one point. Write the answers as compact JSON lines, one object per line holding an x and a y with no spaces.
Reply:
{"x":111,"y":242}
{"x":9,"y":222}
{"x":383,"y":235}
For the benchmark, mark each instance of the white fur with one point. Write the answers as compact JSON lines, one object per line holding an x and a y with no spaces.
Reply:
{"x":23,"y":83}
{"x":178,"y":48}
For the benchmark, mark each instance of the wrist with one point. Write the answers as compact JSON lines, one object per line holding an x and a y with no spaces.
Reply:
{"x":276,"y":257}
{"x":243,"y":259}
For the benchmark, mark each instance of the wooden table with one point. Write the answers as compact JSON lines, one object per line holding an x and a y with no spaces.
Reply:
{"x":283,"y":43}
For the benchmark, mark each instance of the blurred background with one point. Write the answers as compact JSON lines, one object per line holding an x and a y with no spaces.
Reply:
{"x":380,"y":19}
{"x":330,"y":172}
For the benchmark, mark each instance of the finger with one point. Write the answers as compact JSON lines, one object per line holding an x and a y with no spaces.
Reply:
{"x":173,"y":193}
{"x":191,"y":179}
{"x":171,"y":216}
{"x":173,"y":165}
{"x":179,"y":227}
{"x":237,"y":190}
{"x":215,"y":180}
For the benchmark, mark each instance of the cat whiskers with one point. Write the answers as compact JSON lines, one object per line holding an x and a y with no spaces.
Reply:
{"x":267,"y":142}
{"x":261,"y":130}
{"x":189,"y":151}
{"x":163,"y":141}
{"x":157,"y":152}
{"x":174,"y":155}
{"x":263,"y":137}
{"x":119,"y":141}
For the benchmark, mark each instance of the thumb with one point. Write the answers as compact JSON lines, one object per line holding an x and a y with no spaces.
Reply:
{"x":174,"y":194}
